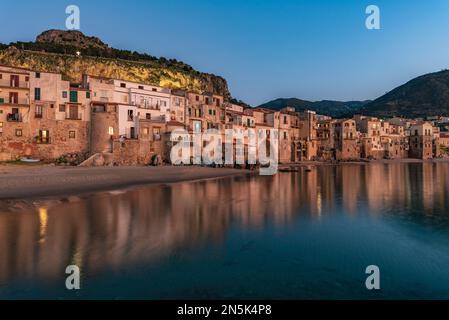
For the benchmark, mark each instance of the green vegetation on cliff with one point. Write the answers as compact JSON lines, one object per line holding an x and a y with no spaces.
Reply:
{"x":427,"y":95}
{"x":56,"y":51}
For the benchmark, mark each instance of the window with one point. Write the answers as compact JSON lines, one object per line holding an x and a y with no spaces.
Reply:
{"x":1,"y":125}
{"x":156,"y":133}
{"x":64,"y":94}
{"x":26,"y":79}
{"x":62,"y":108}
{"x":145,"y":131}
{"x":285,"y":134}
{"x":73,"y":96}
{"x":38,"y":74}
{"x":1,"y":76}
{"x":207,"y":100}
{"x":87,"y":94}
{"x":130,"y":115}
{"x":44,"y":136}
{"x":197,"y":98}
{"x":123,"y":85}
{"x":18,"y":132}
{"x":148,"y":116}
{"x":197,"y":126}
{"x":141,"y":87}
{"x":72,"y":134}
{"x":210,"y":111}
{"x":154,"y":89}
{"x":38,"y":111}
{"x":285,"y":119}
{"x":37,"y":94}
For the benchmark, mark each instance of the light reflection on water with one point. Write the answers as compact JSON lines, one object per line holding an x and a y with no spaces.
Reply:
{"x":294,"y":235}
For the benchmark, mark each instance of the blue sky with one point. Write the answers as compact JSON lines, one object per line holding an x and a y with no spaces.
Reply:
{"x":315,"y":49}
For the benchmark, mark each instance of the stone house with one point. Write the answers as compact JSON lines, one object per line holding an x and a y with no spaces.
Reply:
{"x":421,"y":140}
{"x":346,"y":140}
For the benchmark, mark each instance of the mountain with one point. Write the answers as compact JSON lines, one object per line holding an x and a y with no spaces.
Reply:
{"x":73,"y":54}
{"x":331,"y":108}
{"x":427,"y":95}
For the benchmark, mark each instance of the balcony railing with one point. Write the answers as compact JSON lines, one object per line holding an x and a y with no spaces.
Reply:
{"x":73,"y":117}
{"x":19,"y":101}
{"x":14,"y":117}
{"x":143,"y":105}
{"x":14,"y":84}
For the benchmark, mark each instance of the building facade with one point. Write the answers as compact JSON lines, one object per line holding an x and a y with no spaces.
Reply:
{"x":113,"y":121}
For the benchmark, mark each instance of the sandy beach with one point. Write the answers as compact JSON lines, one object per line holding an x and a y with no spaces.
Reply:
{"x":20,"y":181}
{"x":34,"y":181}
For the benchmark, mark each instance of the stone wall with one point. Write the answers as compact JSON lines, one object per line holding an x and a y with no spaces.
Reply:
{"x":132,"y":152}
{"x":104,"y":126}
{"x":349,"y":150}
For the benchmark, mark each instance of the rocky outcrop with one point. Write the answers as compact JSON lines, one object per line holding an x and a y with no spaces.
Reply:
{"x":70,"y":38}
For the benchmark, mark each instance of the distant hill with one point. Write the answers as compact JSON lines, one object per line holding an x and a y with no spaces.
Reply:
{"x":331,"y":108}
{"x":427,"y":95}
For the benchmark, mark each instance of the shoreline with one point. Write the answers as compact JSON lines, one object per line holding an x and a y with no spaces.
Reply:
{"x":46,"y":181}
{"x":18,"y":181}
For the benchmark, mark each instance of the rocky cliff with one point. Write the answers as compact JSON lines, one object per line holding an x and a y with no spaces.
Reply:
{"x":73,"y":54}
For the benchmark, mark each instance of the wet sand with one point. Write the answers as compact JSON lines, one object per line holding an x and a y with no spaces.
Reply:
{"x":20,"y":181}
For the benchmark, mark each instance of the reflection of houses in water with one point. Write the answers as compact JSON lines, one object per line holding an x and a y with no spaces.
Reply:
{"x":112,"y":230}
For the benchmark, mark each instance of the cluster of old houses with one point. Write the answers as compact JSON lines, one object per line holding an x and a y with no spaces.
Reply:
{"x":43,"y":116}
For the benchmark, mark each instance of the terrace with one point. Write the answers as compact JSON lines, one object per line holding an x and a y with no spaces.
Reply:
{"x":6,"y":83}
{"x":14,"y":117}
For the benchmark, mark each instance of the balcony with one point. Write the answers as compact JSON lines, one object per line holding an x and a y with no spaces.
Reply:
{"x":73,"y":116}
{"x":12,"y":101}
{"x":146,"y":105}
{"x":14,"y":117}
{"x":6,"y":83}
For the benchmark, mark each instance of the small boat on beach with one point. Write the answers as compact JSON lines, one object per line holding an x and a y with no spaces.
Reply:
{"x":29,"y":160}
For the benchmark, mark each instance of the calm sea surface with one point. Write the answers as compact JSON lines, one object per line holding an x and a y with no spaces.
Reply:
{"x":293,"y":235}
